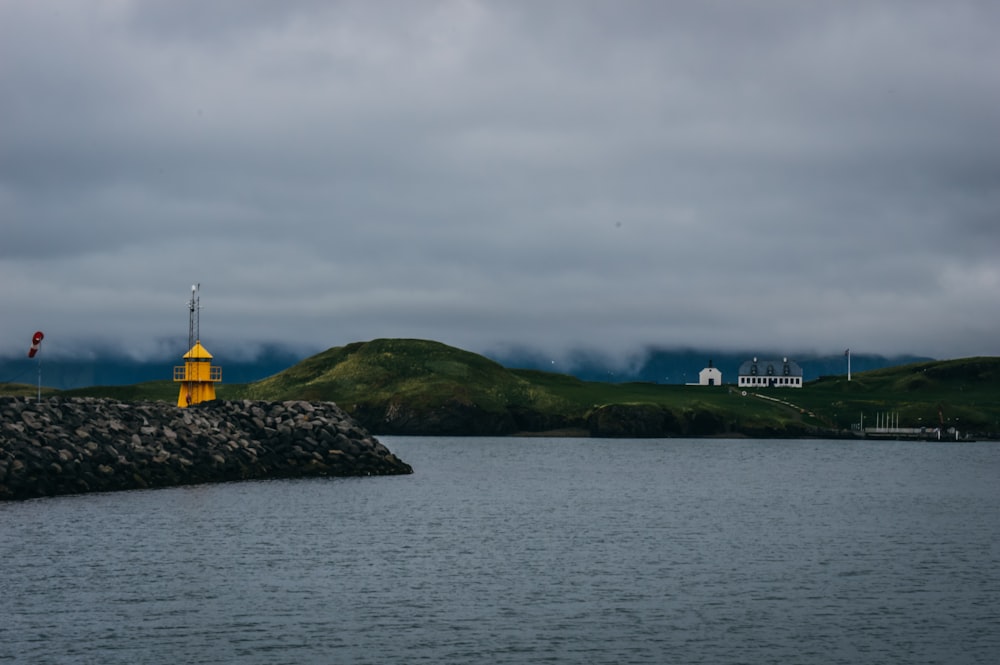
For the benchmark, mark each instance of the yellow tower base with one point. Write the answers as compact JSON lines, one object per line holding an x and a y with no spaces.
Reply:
{"x":197,"y":377}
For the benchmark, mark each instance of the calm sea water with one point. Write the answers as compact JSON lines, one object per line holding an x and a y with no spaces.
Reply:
{"x":505,"y":550}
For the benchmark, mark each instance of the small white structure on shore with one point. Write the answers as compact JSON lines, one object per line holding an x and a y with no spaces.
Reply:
{"x":710,"y":376}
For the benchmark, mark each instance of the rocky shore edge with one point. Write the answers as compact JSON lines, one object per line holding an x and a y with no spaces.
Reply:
{"x":59,"y":446}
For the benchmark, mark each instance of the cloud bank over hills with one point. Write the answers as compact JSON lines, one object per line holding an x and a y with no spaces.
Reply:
{"x":652,"y":365}
{"x":569,"y":174}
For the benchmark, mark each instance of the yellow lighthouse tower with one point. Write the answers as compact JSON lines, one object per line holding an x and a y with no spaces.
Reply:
{"x":197,"y":376}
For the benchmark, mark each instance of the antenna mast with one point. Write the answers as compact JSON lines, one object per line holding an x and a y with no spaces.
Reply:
{"x":194,"y":323}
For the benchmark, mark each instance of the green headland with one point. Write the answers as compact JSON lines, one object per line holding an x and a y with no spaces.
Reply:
{"x":407,"y":386}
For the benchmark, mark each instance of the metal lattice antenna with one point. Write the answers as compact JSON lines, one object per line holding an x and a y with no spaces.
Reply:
{"x":194,"y":323}
{"x":197,"y":313}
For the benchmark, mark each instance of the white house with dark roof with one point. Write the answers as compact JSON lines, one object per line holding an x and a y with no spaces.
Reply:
{"x":710,"y":376}
{"x":783,"y":373}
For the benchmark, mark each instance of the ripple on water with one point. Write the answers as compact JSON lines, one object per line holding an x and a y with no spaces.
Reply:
{"x":528,"y":550}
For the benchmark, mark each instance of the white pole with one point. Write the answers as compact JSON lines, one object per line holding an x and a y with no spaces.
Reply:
{"x":39,"y":377}
{"x":848,"y":364}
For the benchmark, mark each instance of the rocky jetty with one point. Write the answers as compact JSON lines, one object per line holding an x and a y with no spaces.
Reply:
{"x":72,"y":445}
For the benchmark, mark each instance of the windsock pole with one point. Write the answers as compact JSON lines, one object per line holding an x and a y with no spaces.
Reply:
{"x":36,"y":342}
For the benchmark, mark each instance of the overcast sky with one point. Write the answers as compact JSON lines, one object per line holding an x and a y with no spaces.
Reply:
{"x":776,"y":175}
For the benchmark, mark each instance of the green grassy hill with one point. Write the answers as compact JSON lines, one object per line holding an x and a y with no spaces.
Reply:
{"x":24,"y":390}
{"x":405,"y":386}
{"x":425,"y":371}
{"x":963,"y":393}
{"x":153,"y":391}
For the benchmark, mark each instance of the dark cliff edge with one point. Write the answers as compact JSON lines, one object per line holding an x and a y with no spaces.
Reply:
{"x":62,"y":446}
{"x":644,"y":420}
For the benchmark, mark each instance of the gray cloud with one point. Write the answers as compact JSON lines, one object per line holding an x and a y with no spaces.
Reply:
{"x":777,"y":175}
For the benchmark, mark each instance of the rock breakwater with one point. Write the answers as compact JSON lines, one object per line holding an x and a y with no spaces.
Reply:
{"x":72,"y":445}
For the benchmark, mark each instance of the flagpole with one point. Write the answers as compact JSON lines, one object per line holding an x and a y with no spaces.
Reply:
{"x":848,"y":364}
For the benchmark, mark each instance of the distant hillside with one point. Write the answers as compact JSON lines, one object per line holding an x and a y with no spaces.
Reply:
{"x":421,"y":387}
{"x":110,"y":370}
{"x":677,"y":366}
{"x":962,"y":394}
{"x":409,"y":386}
{"x":680,"y":366}
{"x":405,"y":386}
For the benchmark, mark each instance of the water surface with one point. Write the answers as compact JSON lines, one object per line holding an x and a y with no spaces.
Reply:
{"x":506,"y":550}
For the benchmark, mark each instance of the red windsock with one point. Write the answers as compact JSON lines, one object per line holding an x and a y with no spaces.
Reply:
{"x":36,"y":341}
